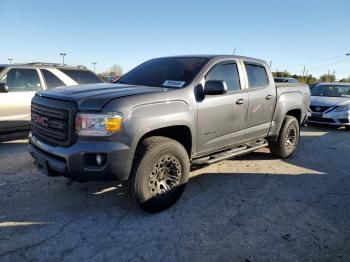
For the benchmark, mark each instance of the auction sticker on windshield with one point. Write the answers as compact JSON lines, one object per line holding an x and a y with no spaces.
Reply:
{"x":173,"y":83}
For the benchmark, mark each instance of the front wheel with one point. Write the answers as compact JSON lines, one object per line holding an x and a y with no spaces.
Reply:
{"x":159,"y":174}
{"x":288,"y":138}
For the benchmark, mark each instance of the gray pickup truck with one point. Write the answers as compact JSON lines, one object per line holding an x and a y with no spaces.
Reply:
{"x":163,"y":117}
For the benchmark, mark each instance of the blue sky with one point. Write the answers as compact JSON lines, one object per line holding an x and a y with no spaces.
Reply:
{"x":290,"y":33}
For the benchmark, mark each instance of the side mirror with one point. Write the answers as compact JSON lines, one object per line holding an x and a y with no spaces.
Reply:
{"x":215,"y":87}
{"x":3,"y":88}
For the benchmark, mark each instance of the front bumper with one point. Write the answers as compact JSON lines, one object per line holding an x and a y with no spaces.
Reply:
{"x":330,"y":118}
{"x":75,"y":161}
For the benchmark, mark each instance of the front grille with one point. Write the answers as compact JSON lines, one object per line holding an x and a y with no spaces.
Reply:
{"x":320,"y":109}
{"x":52,"y":121}
{"x":322,"y":120}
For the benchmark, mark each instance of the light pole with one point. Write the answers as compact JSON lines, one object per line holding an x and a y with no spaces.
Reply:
{"x":10,"y":60}
{"x":63,"y":55}
{"x":94,"y":63}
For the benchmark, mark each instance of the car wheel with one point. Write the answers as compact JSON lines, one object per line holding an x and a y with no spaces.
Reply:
{"x":347,"y":128}
{"x":288,"y":138}
{"x":159,"y":174}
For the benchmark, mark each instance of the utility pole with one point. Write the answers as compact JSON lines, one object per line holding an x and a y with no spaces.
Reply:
{"x":304,"y":71}
{"x":270,"y":63}
{"x":234,"y":51}
{"x":94,"y":63}
{"x":63,"y":55}
{"x":10,"y":60}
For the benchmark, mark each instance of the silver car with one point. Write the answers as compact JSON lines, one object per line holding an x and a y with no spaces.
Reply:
{"x":18,"y":84}
{"x":330,"y":104}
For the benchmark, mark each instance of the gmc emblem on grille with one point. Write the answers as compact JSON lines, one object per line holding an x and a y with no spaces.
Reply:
{"x":41,"y":120}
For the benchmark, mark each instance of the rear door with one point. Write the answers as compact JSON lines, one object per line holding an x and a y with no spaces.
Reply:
{"x":222,"y":117}
{"x":15,"y":104}
{"x":262,"y":99}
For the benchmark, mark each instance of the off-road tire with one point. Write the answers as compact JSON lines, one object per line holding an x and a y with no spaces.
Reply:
{"x":159,"y":164}
{"x":288,"y":138}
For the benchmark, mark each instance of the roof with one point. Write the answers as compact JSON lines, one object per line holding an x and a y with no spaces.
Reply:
{"x":44,"y":64}
{"x":334,"y":83}
{"x":220,"y":57}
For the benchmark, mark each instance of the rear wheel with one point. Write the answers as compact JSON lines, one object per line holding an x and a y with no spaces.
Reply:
{"x":288,"y":138}
{"x":159,"y":174}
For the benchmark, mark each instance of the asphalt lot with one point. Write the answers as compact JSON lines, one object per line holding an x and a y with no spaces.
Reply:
{"x":253,"y":208}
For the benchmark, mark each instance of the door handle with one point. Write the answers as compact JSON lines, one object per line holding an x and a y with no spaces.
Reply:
{"x":240,"y":101}
{"x":269,"y":97}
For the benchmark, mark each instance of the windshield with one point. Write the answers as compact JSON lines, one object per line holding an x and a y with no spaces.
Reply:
{"x":174,"y":72}
{"x":331,"y":90}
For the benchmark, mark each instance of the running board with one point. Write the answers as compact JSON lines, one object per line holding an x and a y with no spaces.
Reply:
{"x":236,"y":151}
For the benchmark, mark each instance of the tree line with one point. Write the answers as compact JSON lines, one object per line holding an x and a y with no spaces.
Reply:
{"x":309,"y":78}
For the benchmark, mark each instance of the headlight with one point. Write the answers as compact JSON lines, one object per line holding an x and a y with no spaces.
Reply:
{"x":342,"y":108}
{"x":98,"y":124}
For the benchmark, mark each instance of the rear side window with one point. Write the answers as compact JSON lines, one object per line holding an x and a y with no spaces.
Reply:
{"x":257,"y":76}
{"x":51,"y":80}
{"x":82,"y":76}
{"x":19,"y":79}
{"x":227,"y":72}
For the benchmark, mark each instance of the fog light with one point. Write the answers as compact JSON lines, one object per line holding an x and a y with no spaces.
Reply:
{"x":99,"y":159}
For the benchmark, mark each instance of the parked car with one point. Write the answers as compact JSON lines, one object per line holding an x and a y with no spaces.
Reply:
{"x":330,"y":104}
{"x":19,"y":82}
{"x":286,"y":80}
{"x":311,"y":86}
{"x":162,"y":117}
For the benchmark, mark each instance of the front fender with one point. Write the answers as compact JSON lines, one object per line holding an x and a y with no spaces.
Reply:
{"x":145,"y":118}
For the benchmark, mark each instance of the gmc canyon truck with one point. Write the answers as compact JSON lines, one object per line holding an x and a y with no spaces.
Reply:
{"x":161,"y":118}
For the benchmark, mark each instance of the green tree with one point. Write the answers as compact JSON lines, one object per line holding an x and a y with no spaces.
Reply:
{"x":327,"y":78}
{"x":345,"y":80}
{"x":281,"y":74}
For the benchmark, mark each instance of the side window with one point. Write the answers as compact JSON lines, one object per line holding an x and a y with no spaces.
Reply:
{"x":51,"y":80}
{"x":257,"y":76}
{"x":18,"y":79}
{"x":82,"y":76}
{"x":227,"y":72}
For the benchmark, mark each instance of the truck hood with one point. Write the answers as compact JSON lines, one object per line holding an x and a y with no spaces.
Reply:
{"x":329,"y":101}
{"x":95,"y":96}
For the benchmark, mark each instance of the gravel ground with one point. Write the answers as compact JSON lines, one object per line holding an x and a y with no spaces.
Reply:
{"x":253,"y":208}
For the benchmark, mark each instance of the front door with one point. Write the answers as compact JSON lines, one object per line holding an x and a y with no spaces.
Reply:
{"x":15,"y":104}
{"x":221,"y":117}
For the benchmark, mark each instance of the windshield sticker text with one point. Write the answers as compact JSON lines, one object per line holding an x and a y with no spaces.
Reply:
{"x":173,"y":83}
